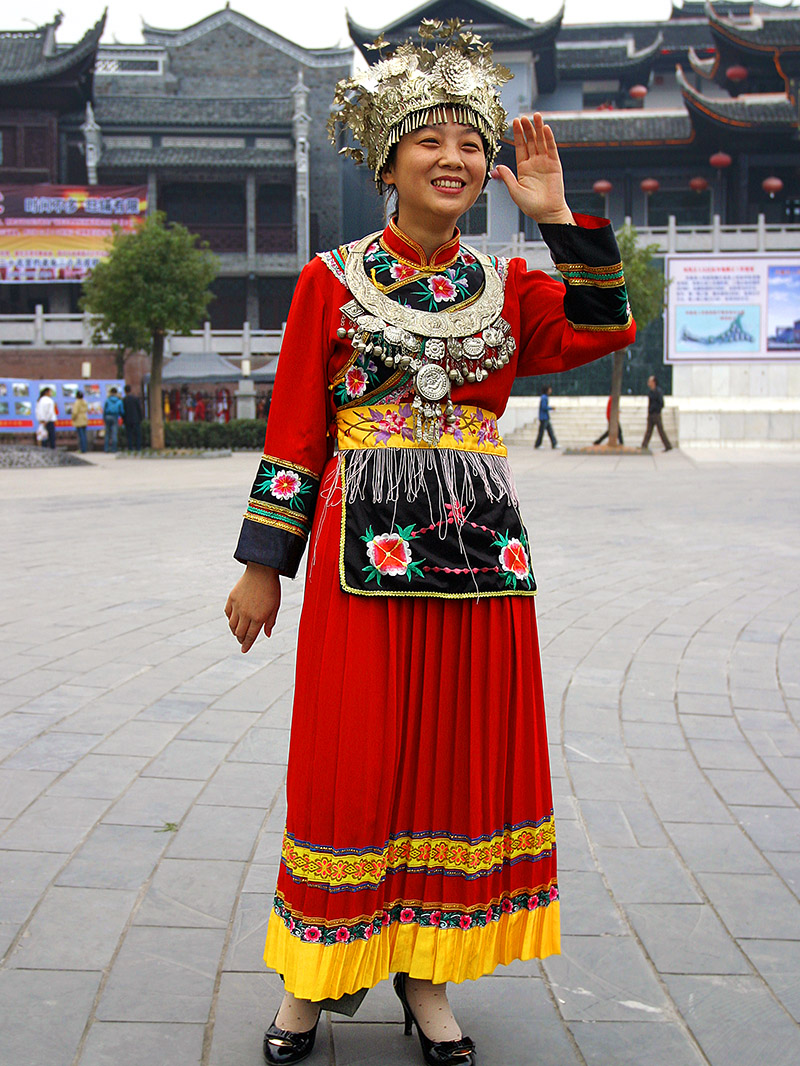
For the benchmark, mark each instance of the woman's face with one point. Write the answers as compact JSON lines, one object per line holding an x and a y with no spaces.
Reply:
{"x":438,"y":172}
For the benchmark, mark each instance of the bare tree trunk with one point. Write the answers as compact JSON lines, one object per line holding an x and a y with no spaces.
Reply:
{"x":616,"y":388}
{"x":154,"y":394}
{"x":120,"y":357}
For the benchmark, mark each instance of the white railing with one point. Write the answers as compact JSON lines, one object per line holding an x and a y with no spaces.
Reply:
{"x":41,"y":330}
{"x":715,"y":239}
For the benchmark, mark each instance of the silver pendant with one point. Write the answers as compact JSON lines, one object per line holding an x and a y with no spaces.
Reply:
{"x":432,"y":382}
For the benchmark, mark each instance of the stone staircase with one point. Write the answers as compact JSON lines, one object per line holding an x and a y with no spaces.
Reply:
{"x":579,"y":420}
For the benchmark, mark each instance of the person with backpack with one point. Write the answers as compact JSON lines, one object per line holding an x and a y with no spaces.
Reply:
{"x":112,"y":412}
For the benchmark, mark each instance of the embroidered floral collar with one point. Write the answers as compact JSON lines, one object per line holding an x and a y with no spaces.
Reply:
{"x":409,"y":253}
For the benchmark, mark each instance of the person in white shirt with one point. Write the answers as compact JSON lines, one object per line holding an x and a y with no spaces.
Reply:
{"x":46,"y":417}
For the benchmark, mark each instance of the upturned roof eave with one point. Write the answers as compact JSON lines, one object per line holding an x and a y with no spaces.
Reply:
{"x":59,"y":63}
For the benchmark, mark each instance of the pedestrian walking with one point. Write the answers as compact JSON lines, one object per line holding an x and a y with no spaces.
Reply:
{"x":80,"y":420}
{"x":655,"y":405}
{"x":132,"y":417}
{"x":545,"y":425}
{"x":112,"y":412}
{"x":419,"y":836}
{"x":46,"y":417}
{"x":603,"y":436}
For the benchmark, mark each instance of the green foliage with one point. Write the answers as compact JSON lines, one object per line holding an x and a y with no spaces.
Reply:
{"x":644,"y":279}
{"x":241,"y":433}
{"x":156,"y":280}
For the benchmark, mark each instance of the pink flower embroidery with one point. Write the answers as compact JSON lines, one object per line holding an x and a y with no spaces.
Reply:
{"x":465,"y":921}
{"x":385,"y":918}
{"x":389,"y":423}
{"x":285,"y":484}
{"x":553,"y":892}
{"x":514,"y":559}
{"x":533,"y":903}
{"x":487,"y":432}
{"x":442,"y":288}
{"x":467,"y":258}
{"x":389,"y":554}
{"x":291,"y":925}
{"x":368,"y":932}
{"x":400,"y":271}
{"x":342,"y":935}
{"x":406,"y":915}
{"x":435,"y":917}
{"x":507,"y":906}
{"x":455,"y":511}
{"x":355,"y":381}
{"x":489,"y":914}
{"x":312,"y":934}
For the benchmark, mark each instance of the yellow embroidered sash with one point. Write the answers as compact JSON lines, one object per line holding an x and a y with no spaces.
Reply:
{"x":391,"y":425}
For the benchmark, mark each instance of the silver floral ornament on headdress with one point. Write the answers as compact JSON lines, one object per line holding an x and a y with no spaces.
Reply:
{"x":416,"y":85}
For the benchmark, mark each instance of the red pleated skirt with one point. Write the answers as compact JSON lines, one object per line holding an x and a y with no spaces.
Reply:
{"x":419,"y":833}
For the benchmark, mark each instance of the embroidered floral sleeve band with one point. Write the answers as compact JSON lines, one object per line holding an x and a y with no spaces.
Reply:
{"x":282,"y":499}
{"x":588,"y":260}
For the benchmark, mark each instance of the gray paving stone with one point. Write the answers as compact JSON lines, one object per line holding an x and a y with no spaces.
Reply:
{"x":598,"y":782}
{"x":163,"y":975}
{"x":74,"y":929}
{"x":99,"y":777}
{"x":716,"y":848}
{"x":573,"y":847}
{"x":786,"y":770}
{"x":711,"y":727}
{"x":706,"y":703}
{"x":676,"y":788}
{"x":192,"y":894}
{"x":586,"y":907}
{"x":143,"y":1044}
{"x":59,"y":1003}
{"x":96,"y":717}
{"x":245,"y":1006}
{"x":262,"y":746}
{"x":24,"y":876}
{"x":211,"y":832}
{"x":686,"y":938}
{"x":725,"y":754}
{"x":771,"y":828}
{"x":269,"y":846}
{"x":139,"y":738}
{"x":776,"y":961}
{"x":19,"y":788}
{"x":244,"y":785}
{"x":246,"y":947}
{"x":52,"y":751}
{"x":746,"y":788}
{"x":220,"y":725}
{"x":261,"y":878}
{"x":654,"y":735}
{"x":646,"y":875}
{"x":736,"y":1021}
{"x":154,"y":801}
{"x":631,"y":1043}
{"x":605,"y":979}
{"x":115,"y":856}
{"x":53,"y":823}
{"x":19,"y":727}
{"x":788,"y":866}
{"x":753,"y":906}
{"x":190,"y":759}
{"x":180,"y":709}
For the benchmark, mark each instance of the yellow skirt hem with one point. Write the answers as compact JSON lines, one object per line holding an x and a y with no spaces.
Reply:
{"x":313,"y":972}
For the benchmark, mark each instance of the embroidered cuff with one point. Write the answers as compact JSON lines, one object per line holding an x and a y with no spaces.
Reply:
{"x":278,"y":516}
{"x":588,"y":259}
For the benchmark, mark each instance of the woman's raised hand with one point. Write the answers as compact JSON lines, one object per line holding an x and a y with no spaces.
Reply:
{"x":538,"y":186}
{"x":253,"y":604}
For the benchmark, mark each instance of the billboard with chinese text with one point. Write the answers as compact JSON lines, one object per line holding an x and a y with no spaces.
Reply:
{"x":18,"y":398}
{"x":58,"y":232}
{"x":738,"y":307}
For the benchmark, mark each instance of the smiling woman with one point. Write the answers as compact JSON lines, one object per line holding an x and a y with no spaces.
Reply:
{"x":420,"y":838}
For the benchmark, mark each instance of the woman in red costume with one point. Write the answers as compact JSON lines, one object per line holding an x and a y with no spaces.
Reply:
{"x":419,"y":839}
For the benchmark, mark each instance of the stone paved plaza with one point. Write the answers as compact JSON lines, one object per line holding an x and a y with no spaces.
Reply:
{"x":143,"y":761}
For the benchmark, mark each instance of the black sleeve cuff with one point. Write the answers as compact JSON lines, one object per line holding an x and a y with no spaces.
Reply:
{"x":259,"y":543}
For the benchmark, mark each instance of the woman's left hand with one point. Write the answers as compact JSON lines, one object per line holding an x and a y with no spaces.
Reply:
{"x":538,"y":186}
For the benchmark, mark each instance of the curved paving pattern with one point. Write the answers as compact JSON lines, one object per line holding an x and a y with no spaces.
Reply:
{"x":143,"y":758}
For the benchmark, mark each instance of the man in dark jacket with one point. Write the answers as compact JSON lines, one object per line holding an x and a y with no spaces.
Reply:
{"x":655,"y":405}
{"x":132,"y":417}
{"x":545,"y":424}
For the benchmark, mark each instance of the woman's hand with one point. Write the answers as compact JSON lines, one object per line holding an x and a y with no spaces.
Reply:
{"x":538,"y":186}
{"x":253,"y":604}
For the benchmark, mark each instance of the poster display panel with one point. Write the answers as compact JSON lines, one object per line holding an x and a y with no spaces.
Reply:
{"x":737,"y":307}
{"x":18,"y":398}
{"x":59,"y":232}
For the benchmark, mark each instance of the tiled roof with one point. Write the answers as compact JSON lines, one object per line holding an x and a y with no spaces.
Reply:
{"x":208,"y":159}
{"x":31,"y":55}
{"x":781,"y":29}
{"x":614,"y":56}
{"x":169,"y":111}
{"x":759,"y":111}
{"x":636,"y":126}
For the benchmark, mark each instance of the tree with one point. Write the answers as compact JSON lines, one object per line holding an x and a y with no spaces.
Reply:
{"x":647,"y":287}
{"x":155,"y":281}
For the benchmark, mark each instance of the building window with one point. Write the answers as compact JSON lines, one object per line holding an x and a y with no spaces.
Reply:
{"x":475,"y":221}
{"x":689,"y":208}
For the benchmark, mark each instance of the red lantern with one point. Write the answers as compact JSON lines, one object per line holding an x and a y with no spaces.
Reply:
{"x":771,"y":186}
{"x":736,"y":73}
{"x":720,"y":160}
{"x":602,"y":187}
{"x":637,"y":92}
{"x":698,"y":184}
{"x":649,"y":185}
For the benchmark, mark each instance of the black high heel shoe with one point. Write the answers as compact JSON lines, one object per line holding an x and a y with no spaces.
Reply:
{"x":435,"y":1052}
{"x":282,"y":1046}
